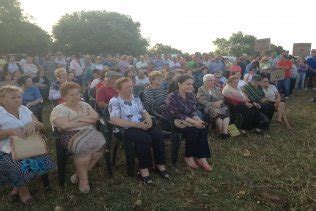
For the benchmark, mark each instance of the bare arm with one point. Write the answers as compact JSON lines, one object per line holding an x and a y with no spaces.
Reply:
{"x":38,"y":124}
{"x":65,"y":124}
{"x":124,"y":123}
{"x":102,"y":104}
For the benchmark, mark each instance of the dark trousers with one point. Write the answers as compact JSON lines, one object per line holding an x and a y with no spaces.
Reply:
{"x":249,"y":118}
{"x":144,"y":140}
{"x":267,"y":109}
{"x":196,"y":144}
{"x":292,"y":84}
{"x":37,"y":111}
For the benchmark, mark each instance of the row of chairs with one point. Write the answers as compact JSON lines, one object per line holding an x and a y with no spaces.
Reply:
{"x":111,"y":132}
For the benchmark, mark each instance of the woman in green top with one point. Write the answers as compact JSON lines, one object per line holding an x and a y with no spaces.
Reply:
{"x":256,"y":95}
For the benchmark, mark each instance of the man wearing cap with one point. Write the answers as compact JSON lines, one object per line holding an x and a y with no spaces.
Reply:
{"x":311,"y":73}
{"x":107,"y":91}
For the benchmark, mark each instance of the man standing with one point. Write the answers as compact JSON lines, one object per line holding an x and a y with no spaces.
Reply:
{"x":76,"y":67}
{"x":311,"y":73}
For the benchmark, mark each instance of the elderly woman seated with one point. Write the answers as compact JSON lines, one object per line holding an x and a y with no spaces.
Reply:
{"x":274,"y":98}
{"x":18,"y":120}
{"x":154,"y":93}
{"x":211,"y":99}
{"x":54,"y":90}
{"x":254,"y":92}
{"x":31,"y":96}
{"x":181,"y":105}
{"x":243,"y":112}
{"x":129,"y":113}
{"x":75,"y":120}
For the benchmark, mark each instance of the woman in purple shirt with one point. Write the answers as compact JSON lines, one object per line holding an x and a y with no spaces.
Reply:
{"x":182,"y":107}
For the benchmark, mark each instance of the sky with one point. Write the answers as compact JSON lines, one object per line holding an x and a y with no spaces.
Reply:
{"x":191,"y":26}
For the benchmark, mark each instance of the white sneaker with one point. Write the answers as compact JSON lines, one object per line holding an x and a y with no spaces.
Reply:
{"x":305,"y":89}
{"x":314,"y":89}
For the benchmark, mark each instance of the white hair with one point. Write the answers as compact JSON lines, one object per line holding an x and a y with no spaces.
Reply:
{"x":205,"y":77}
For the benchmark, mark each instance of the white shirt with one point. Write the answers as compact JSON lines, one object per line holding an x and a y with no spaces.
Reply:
{"x":74,"y":65}
{"x":247,"y":77}
{"x":94,"y":83}
{"x":9,"y":121}
{"x":141,"y":82}
{"x":270,"y":93}
{"x":61,"y":62}
{"x":12,"y":67}
{"x":30,"y":69}
{"x":141,"y":65}
{"x":241,"y":83}
{"x":99,"y":66}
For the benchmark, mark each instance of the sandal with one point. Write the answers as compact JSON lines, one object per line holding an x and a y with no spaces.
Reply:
{"x":146,"y":180}
{"x":164,"y":174}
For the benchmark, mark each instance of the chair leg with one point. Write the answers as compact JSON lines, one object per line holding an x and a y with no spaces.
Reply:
{"x":175,"y":147}
{"x":45,"y":181}
{"x":130,"y":157}
{"x":107,"y":157}
{"x":116,"y":146}
{"x":61,"y":163}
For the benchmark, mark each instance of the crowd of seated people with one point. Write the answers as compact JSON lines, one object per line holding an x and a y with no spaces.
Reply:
{"x":198,"y":91}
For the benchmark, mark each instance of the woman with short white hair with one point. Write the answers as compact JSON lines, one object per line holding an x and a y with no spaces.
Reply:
{"x":212,"y":101}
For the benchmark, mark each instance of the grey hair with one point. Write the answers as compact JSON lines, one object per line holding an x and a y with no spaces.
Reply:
{"x":206,"y":76}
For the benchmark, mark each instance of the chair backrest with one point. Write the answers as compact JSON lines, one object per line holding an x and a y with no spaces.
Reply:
{"x":159,"y":108}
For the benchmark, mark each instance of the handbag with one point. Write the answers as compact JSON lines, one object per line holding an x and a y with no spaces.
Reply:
{"x":31,"y":146}
{"x":78,"y":143}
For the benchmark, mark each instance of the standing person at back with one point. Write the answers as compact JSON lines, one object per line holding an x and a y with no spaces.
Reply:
{"x":29,"y":68}
{"x":76,"y":67}
{"x":311,"y":73}
{"x":285,"y":64}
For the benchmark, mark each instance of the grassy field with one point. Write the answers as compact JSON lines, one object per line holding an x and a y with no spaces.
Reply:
{"x":250,"y":173}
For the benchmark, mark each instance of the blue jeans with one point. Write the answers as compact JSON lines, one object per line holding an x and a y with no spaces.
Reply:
{"x":300,"y":80}
{"x":284,"y":86}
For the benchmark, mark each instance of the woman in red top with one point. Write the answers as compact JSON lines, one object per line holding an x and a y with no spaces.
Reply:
{"x":284,"y":85}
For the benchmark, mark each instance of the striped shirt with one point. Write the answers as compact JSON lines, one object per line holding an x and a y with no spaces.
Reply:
{"x":253,"y":93}
{"x":152,"y":95}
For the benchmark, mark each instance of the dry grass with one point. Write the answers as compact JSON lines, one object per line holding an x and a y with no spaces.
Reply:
{"x":279,"y":173}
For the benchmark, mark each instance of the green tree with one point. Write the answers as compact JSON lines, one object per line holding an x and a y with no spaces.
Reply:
{"x":238,"y":44}
{"x":163,"y":49}
{"x":98,"y":31}
{"x":18,"y":34}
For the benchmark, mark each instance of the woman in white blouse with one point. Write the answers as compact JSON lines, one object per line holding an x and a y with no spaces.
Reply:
{"x":18,"y":120}
{"x":129,"y":113}
{"x":274,"y":97}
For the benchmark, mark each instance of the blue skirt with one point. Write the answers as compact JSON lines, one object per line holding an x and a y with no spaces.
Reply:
{"x":20,"y":173}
